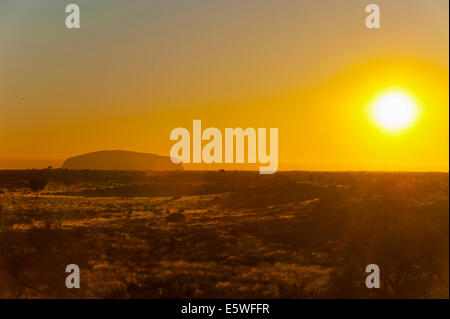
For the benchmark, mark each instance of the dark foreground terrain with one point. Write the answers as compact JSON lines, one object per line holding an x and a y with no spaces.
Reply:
{"x":223,"y":234}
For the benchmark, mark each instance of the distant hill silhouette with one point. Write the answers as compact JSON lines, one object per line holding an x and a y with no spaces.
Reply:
{"x":121,"y":160}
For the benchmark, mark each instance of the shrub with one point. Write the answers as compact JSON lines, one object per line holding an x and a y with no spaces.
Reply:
{"x":175,"y":218}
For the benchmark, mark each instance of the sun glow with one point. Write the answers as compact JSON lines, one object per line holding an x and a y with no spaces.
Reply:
{"x":394,"y":111}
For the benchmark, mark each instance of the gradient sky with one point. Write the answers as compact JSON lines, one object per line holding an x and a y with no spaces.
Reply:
{"x":137,"y":69}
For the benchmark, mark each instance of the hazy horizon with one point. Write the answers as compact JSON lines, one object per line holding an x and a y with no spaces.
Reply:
{"x":40,"y":163}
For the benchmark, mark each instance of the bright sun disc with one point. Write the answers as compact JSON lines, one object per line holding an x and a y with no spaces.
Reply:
{"x":394,"y":111}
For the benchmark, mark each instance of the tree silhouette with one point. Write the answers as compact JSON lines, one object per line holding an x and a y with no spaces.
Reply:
{"x":36,"y":184}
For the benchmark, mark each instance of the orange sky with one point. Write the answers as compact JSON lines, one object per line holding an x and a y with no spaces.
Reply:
{"x":136,"y":70}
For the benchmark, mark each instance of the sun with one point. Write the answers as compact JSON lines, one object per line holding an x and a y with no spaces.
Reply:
{"x":394,"y":111}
